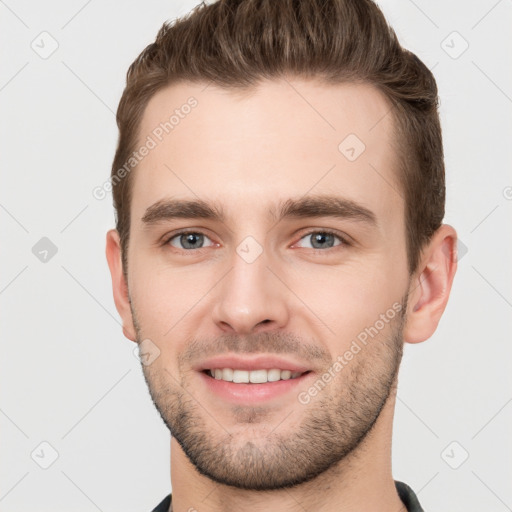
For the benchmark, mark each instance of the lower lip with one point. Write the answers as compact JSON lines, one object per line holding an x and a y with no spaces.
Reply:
{"x":252,"y":393}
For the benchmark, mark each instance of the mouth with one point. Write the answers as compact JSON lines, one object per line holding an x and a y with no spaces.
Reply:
{"x":259,"y":376}
{"x":252,"y":387}
{"x":247,"y":380}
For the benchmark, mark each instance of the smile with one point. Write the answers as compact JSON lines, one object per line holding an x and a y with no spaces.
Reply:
{"x":260,"y":376}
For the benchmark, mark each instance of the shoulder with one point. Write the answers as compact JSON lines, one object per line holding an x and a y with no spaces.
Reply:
{"x":408,"y":497}
{"x":164,"y":505}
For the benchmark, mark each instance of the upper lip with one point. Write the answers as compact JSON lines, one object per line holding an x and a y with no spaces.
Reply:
{"x":260,"y":362}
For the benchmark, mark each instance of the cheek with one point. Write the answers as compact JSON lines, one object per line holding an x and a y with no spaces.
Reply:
{"x":165,"y":298}
{"x":347,"y":299}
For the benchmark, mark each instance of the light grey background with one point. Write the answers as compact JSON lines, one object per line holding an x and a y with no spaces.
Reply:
{"x":68,"y":376}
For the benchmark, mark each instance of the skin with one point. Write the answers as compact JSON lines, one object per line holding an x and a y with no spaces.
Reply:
{"x":247,"y":152}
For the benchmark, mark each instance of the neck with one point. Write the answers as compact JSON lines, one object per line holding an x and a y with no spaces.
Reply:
{"x":360,"y":482}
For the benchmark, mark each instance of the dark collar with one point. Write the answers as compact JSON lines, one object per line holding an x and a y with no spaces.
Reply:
{"x":406,"y":494}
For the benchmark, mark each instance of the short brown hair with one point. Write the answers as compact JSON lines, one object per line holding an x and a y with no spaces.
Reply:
{"x":238,"y":43}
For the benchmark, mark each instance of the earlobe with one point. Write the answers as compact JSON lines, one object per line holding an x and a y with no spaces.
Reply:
{"x":430,"y":288}
{"x":119,"y":285}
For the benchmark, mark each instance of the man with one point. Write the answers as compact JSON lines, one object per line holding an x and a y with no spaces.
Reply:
{"x":279,"y":190}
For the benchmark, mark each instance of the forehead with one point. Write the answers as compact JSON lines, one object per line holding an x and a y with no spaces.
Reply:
{"x":249,"y":149}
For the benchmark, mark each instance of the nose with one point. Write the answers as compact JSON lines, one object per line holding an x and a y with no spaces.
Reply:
{"x":250,"y":298}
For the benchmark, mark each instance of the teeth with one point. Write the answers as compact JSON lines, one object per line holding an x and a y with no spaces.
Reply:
{"x":254,"y":376}
{"x":258,"y":376}
{"x":240,"y":376}
{"x":273,"y":375}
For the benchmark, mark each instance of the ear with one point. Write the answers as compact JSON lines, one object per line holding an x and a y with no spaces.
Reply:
{"x":431,"y":284}
{"x":119,"y":285}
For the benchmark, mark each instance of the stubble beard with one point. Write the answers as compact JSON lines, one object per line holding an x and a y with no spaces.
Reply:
{"x":257,"y":455}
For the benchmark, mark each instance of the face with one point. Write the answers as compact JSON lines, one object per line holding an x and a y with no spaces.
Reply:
{"x":267,"y":242}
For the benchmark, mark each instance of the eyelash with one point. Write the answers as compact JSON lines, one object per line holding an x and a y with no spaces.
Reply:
{"x":344,"y":241}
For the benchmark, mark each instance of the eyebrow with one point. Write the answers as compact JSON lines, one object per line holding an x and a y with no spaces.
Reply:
{"x":304,"y":207}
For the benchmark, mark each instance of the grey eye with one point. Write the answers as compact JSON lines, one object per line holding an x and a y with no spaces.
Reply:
{"x":321,"y":240}
{"x":190,"y":240}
